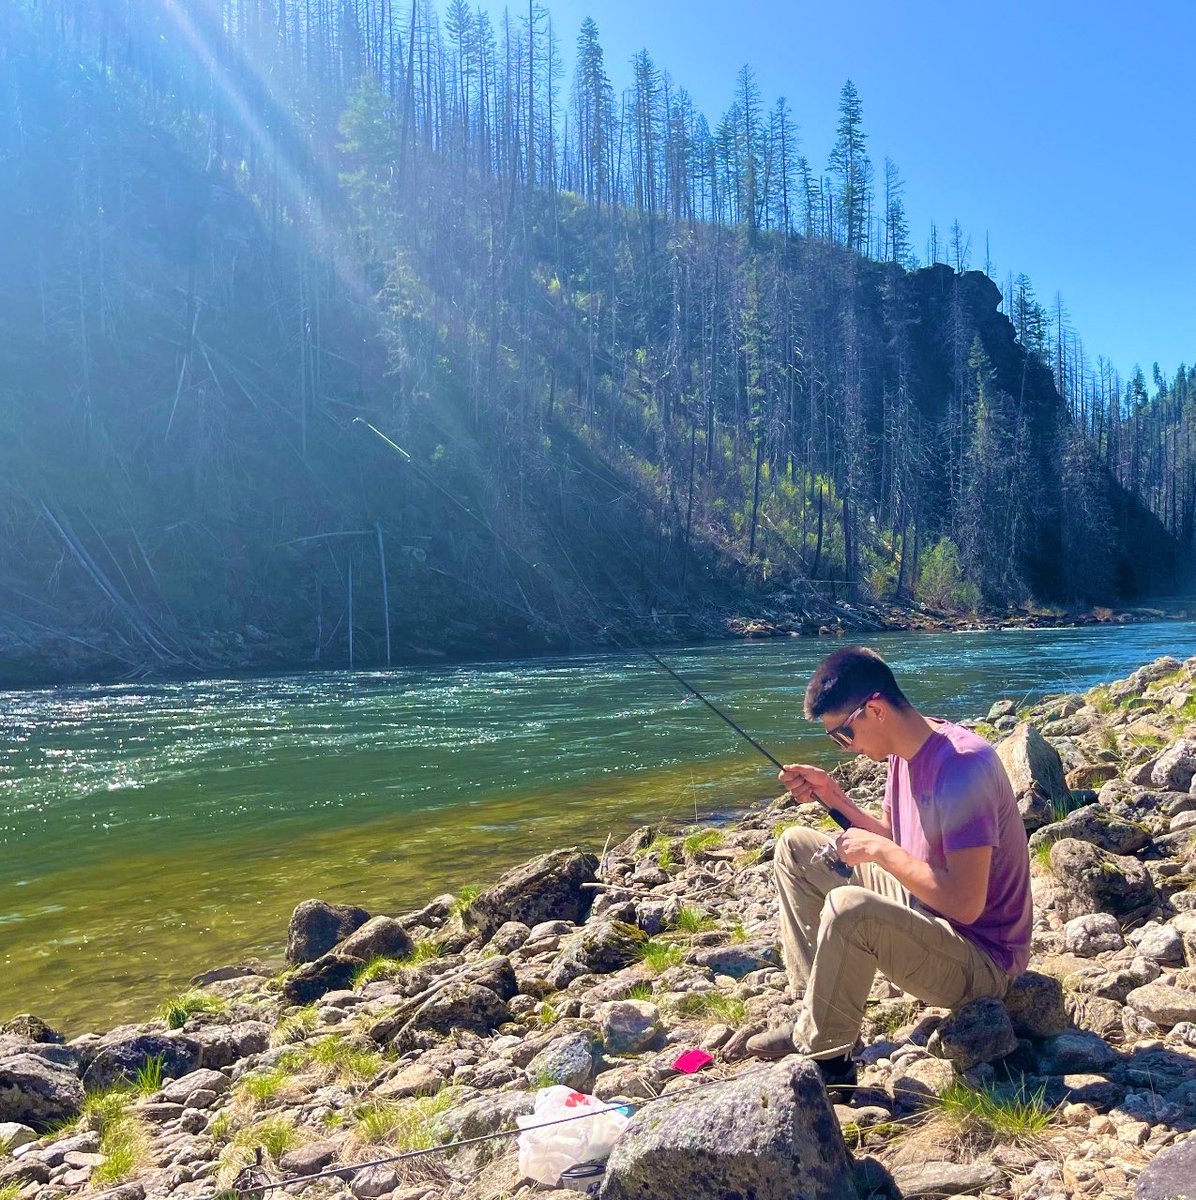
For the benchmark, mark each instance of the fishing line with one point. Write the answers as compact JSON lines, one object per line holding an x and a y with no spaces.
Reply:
{"x":427,"y":477}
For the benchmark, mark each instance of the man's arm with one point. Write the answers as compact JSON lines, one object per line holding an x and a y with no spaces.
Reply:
{"x":804,"y":783}
{"x":958,"y":890}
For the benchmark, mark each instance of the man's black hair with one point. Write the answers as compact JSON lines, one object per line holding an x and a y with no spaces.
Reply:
{"x":847,"y":678}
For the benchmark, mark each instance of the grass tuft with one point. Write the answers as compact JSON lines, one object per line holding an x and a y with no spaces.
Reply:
{"x":342,"y":1060}
{"x":275,"y":1135}
{"x":464,"y":898}
{"x":640,"y":991}
{"x":10,"y":1191}
{"x":176,"y":1011}
{"x":148,"y":1078}
{"x":706,"y":839}
{"x":296,"y":1027}
{"x":989,"y":1115}
{"x":712,"y":1006}
{"x":659,"y":955}
{"x":403,"y":1124}
{"x":378,"y":967}
{"x":693,"y":920}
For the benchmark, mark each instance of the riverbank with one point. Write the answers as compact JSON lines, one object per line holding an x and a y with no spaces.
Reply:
{"x":596,"y":970}
{"x":55,"y":660}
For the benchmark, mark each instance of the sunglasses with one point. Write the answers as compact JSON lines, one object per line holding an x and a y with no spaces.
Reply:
{"x":842,"y":734}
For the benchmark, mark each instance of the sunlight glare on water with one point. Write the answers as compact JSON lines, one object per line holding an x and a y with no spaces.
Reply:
{"x":150,"y":831}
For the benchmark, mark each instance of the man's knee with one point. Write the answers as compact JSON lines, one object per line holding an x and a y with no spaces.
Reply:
{"x":850,"y":906}
{"x":795,"y":848}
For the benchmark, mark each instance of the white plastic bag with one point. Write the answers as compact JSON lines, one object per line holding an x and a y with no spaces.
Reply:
{"x":545,"y":1153}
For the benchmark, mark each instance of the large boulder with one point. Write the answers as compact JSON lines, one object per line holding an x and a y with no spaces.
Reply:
{"x":770,"y":1135}
{"x":629,"y":1026}
{"x":224,"y":1045}
{"x":379,"y":937}
{"x":1094,"y":823}
{"x":31,"y":1029}
{"x":125,"y":1056}
{"x":1175,"y":768}
{"x":1036,"y":772}
{"x":1090,"y":880}
{"x":977,"y":1032}
{"x":599,"y":947}
{"x":1163,"y":1003}
{"x":328,"y":973}
{"x":37,"y":1093}
{"x":546,"y":889}
{"x":461,"y":1006}
{"x":567,"y":1060}
{"x":1034,"y":1003}
{"x":316,"y":926}
{"x":1170,"y":1175}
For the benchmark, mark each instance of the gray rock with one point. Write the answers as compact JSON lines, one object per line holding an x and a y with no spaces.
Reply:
{"x":977,"y":1032}
{"x":1163,"y":1004}
{"x":372,"y":1182}
{"x":1075,"y":1052}
{"x":567,"y":1060}
{"x":36,"y":1092}
{"x":179,"y":1091}
{"x":495,"y":973}
{"x":31,"y":1029}
{"x":1034,"y":1003}
{"x":771,"y":1136}
{"x":25,"y":1170}
{"x":943,"y":1178}
{"x":379,"y":937}
{"x":313,"y":979}
{"x":1091,"y":934}
{"x":224,"y":1045}
{"x":1001,"y":708}
{"x":599,"y":947}
{"x":736,"y":961}
{"x":123,"y":1056}
{"x":1095,"y":824}
{"x":1161,"y":944}
{"x":1175,"y":768}
{"x":1093,"y":881}
{"x":1036,"y":772}
{"x":14,"y":1134}
{"x":316,"y":926}
{"x":510,"y":935}
{"x":467,"y":1006}
{"x":1171,"y":1174}
{"x":476,"y":1118}
{"x":629,"y":1026}
{"x":916,"y":1082}
{"x":546,"y":889}
{"x":306,"y":1160}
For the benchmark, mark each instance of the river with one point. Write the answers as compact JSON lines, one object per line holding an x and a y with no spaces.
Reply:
{"x":150,"y":831}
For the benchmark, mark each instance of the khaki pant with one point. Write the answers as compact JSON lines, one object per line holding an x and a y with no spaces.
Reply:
{"x":838,"y":932}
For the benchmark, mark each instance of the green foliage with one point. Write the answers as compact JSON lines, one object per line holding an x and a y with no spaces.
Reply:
{"x":995,"y":1115}
{"x":464,"y":898}
{"x":658,"y":955}
{"x":178,"y":1009}
{"x":546,"y":1013}
{"x":148,"y":1077}
{"x":693,"y":920}
{"x":404,"y":1124}
{"x":640,"y":991}
{"x":342,"y":1060}
{"x":296,"y":1026}
{"x":10,"y":1191}
{"x":124,"y":1144}
{"x":105,"y":1107}
{"x":379,"y":967}
{"x":941,"y":582}
{"x":706,"y":839}
{"x":712,"y":1006}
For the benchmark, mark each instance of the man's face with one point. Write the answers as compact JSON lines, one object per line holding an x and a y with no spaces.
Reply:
{"x":858,"y":730}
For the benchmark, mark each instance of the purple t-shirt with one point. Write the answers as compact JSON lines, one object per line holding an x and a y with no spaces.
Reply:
{"x":954,"y":795}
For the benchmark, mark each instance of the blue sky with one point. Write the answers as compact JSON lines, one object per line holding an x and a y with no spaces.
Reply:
{"x":1062,"y":129}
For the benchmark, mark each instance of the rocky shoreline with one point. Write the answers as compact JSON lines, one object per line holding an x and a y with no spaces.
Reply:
{"x":597,"y":971}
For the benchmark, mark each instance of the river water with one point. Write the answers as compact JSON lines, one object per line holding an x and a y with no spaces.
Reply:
{"x":150,"y":831}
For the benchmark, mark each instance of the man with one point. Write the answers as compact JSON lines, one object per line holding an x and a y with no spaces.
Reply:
{"x":938,"y":897}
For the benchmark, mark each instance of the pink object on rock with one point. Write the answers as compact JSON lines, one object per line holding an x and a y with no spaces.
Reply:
{"x":691,"y":1061}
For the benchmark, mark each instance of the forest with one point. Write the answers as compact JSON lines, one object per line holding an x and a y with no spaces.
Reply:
{"x":641,"y":372}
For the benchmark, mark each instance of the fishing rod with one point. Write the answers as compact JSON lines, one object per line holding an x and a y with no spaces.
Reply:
{"x":426,"y":476}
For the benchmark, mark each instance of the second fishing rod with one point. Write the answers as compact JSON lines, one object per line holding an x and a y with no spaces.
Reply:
{"x":840,"y":819}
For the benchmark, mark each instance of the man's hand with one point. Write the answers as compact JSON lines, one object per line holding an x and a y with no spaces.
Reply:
{"x":804,"y":783}
{"x":859,"y":845}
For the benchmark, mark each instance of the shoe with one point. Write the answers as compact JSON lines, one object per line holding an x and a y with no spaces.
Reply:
{"x":772,"y":1043}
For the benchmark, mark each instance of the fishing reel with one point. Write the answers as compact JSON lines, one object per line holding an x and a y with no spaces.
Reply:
{"x":828,"y":856}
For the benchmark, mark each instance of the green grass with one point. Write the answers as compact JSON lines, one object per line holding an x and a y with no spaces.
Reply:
{"x":712,"y":1006}
{"x":296,"y":1027}
{"x":464,"y":898}
{"x":781,"y":826}
{"x":275,"y":1135}
{"x":1041,"y":856}
{"x":125,"y":1147}
{"x":662,"y":848}
{"x":546,"y":1013}
{"x":693,"y":920}
{"x":178,"y":1009}
{"x":378,"y":967}
{"x":424,"y":950}
{"x":148,"y":1078}
{"x":259,"y":1087}
{"x":342,"y":1060}
{"x":106,"y":1107}
{"x":640,"y":991}
{"x":658,"y":955}
{"x":988,"y":1114}
{"x":9,"y":1191}
{"x":403,"y":1124}
{"x":738,"y":933}
{"x":1100,"y":699}
{"x":706,"y":839}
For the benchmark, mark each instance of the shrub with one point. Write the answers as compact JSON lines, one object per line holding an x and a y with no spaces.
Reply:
{"x":941,"y":582}
{"x":177,"y":1009}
